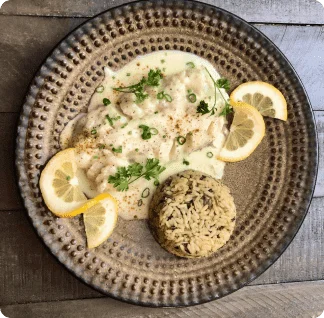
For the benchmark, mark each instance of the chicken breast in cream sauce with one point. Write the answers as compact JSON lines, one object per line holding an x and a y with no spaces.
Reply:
{"x":109,"y":136}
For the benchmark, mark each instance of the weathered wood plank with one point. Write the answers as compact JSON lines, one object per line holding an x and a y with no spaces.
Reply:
{"x":28,"y":273}
{"x":304,"y":47}
{"x":9,"y":190}
{"x":23,"y":47}
{"x":272,"y":301}
{"x":28,"y":40}
{"x":273,"y":11}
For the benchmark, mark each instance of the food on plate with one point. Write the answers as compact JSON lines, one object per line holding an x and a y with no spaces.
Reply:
{"x":192,"y":214}
{"x":159,"y":115}
{"x":163,"y":116}
{"x":246,"y":132}
{"x":267,"y":99}
{"x":100,"y":220}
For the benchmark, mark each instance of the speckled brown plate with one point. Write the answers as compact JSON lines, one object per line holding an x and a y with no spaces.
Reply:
{"x":272,"y":188}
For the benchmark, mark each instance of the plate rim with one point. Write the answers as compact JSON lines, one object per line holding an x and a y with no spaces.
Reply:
{"x":21,"y":134}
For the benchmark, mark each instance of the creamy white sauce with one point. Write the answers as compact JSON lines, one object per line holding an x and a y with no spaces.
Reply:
{"x":204,"y":134}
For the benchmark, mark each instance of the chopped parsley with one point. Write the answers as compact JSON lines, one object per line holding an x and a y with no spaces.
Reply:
{"x":203,"y":107}
{"x":106,"y":101}
{"x":93,"y":131}
{"x":153,"y":79}
{"x":95,"y":157}
{"x":185,"y":162}
{"x":128,"y":74}
{"x":123,"y":126}
{"x":127,"y":175}
{"x":162,"y":61}
{"x":68,"y":178}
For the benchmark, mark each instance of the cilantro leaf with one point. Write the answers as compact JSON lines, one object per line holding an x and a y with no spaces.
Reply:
{"x":226,"y":110}
{"x":153,"y":79}
{"x":223,"y":83}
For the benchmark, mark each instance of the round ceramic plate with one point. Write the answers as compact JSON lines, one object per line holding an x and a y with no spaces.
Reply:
{"x":272,"y":188}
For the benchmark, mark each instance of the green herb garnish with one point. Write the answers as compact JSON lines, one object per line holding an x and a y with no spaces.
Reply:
{"x":156,"y":183}
{"x":95,"y":157}
{"x":192,"y":98}
{"x":100,"y":89}
{"x":145,"y":193}
{"x":101,"y":146}
{"x":162,"y":61}
{"x":136,"y":149}
{"x":106,"y":101}
{"x":68,"y":178}
{"x":220,"y":83}
{"x":191,"y":64}
{"x":163,"y":95}
{"x":128,"y":74}
{"x":117,"y":150}
{"x":123,"y":126}
{"x":153,"y":79}
{"x":112,"y":119}
{"x":185,"y":162}
{"x":181,"y":140}
{"x":148,"y":132}
{"x":127,"y":175}
{"x":93,"y":131}
{"x":210,"y":154}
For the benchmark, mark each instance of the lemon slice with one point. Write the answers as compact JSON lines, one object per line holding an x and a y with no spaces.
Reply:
{"x":267,"y":99}
{"x":100,"y":219}
{"x":59,"y":184}
{"x":246,"y":132}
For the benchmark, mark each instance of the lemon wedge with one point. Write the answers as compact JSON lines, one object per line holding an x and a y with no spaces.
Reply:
{"x":246,"y":132}
{"x":267,"y":99}
{"x":100,"y":219}
{"x":59,"y":183}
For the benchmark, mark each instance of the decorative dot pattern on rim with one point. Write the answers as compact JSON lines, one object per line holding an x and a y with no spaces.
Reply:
{"x":272,"y":188}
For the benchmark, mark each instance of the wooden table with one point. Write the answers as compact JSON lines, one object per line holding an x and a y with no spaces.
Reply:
{"x":34,"y":284}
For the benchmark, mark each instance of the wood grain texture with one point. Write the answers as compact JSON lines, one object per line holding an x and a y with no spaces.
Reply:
{"x":29,"y":273}
{"x":267,"y":11}
{"x":28,"y":40}
{"x":294,"y":300}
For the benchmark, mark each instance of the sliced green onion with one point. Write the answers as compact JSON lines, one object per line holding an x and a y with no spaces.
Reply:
{"x":191,"y":64}
{"x":181,"y":140}
{"x":145,"y":193}
{"x":192,"y":98}
{"x":100,"y":89}
{"x":117,"y":150}
{"x":139,"y":203}
{"x":168,"y":98}
{"x":93,"y":131}
{"x":210,"y":154}
{"x":154,"y":131}
{"x":160,"y":95}
{"x":106,"y":101}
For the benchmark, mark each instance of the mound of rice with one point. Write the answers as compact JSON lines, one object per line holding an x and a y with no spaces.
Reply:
{"x":192,"y":214}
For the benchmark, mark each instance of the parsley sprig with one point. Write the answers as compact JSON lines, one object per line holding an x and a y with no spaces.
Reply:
{"x":153,"y":79}
{"x":127,"y":175}
{"x":203,"y":107}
